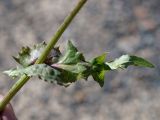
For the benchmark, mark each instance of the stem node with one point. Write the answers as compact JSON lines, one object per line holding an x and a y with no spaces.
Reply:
{"x":19,"y":84}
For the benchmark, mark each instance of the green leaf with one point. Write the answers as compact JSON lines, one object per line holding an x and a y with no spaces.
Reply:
{"x":99,"y":77}
{"x":99,"y":68}
{"x":125,"y":60}
{"x":42,"y":70}
{"x":28,"y":56}
{"x":138,"y":61}
{"x":100,"y":59}
{"x":82,"y":69}
{"x":71,"y":55}
{"x":70,"y":67}
{"x":61,"y":74}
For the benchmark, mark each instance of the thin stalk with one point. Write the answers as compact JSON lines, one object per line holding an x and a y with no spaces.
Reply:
{"x":19,"y":84}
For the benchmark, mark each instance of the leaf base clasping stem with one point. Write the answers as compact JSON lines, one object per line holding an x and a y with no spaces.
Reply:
{"x":19,"y":84}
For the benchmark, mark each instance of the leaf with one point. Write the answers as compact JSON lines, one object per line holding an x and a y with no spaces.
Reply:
{"x":23,"y":57}
{"x":70,"y":67}
{"x":71,"y":55}
{"x":60,"y":74}
{"x":99,"y":77}
{"x":100,"y":59}
{"x":138,"y":61}
{"x":43,"y":70}
{"x":28,"y":56}
{"x":99,"y":68}
{"x":125,"y":60}
{"x":82,"y":69}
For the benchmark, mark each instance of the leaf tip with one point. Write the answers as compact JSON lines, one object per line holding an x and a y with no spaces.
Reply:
{"x":138,"y":61}
{"x":15,"y":58}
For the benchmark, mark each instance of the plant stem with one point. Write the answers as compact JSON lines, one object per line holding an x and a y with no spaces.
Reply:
{"x":19,"y":84}
{"x":60,"y":31}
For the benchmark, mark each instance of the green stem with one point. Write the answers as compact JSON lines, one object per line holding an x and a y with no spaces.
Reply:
{"x":19,"y":84}
{"x":60,"y":31}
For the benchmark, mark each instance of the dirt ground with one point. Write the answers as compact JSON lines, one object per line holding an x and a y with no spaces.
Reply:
{"x":115,"y":26}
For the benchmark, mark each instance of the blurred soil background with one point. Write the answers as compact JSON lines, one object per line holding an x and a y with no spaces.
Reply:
{"x":115,"y":26}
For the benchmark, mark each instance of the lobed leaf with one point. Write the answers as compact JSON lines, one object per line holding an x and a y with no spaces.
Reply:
{"x":71,"y":56}
{"x":60,"y":74}
{"x":98,"y":69}
{"x":28,"y":56}
{"x":70,"y":67}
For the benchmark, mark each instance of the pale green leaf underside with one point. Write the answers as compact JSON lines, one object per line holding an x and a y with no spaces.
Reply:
{"x":61,"y":74}
{"x":70,"y":67}
{"x":27,"y":56}
{"x":125,"y":60}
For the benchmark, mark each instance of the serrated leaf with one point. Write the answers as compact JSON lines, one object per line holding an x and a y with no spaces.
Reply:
{"x":82,"y":69}
{"x":28,"y":56}
{"x":71,"y":55}
{"x":125,"y":60}
{"x":43,"y":70}
{"x":99,"y":77}
{"x":99,"y":68}
{"x":60,"y":74}
{"x":100,"y":59}
{"x":70,"y":67}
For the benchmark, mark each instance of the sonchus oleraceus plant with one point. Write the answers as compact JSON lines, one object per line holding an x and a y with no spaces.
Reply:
{"x":48,"y":63}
